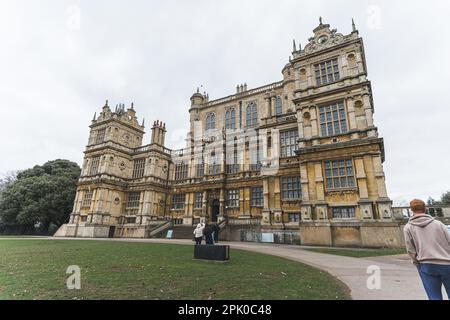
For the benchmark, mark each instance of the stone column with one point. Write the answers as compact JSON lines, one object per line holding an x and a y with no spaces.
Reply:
{"x":76,"y":201}
{"x":266,"y":194}
{"x":244,"y":165}
{"x":151,"y":204}
{"x":187,"y":202}
{"x":300,"y":124}
{"x":368,"y":110}
{"x":205,"y":204}
{"x":304,"y":182}
{"x":320,"y":192}
{"x":141,"y":203}
{"x":310,"y":76}
{"x":344,"y":64}
{"x":268,"y":107}
{"x":80,"y":201}
{"x":351,"y":113}
{"x":188,"y":209}
{"x":305,"y":206}
{"x":223,"y":161}
{"x":379,"y":176}
{"x":273,"y":105}
{"x":266,"y":210}
{"x":359,"y":61}
{"x":146,"y":205}
{"x":263,"y":136}
{"x":277,"y":193}
{"x":94,"y":200}
{"x":275,"y":148}
{"x":222,"y":202}
{"x":242,"y":202}
{"x":314,"y":122}
{"x":361,"y":178}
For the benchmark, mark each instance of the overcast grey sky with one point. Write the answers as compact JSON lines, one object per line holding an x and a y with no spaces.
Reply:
{"x":60,"y":60}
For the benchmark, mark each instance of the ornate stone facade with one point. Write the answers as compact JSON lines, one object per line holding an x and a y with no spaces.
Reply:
{"x":302,"y":154}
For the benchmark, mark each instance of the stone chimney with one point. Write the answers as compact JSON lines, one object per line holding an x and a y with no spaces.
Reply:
{"x":158,"y":133}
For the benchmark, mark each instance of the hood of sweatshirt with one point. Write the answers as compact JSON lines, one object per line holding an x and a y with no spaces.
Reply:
{"x":421,"y":220}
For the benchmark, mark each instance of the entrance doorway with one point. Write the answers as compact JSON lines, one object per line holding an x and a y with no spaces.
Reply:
{"x":112,"y":230}
{"x":215,"y":210}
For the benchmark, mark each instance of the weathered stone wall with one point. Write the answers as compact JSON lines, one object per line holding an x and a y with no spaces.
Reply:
{"x":364,"y":234}
{"x":346,"y":236}
{"x":382,"y":235}
{"x":315,"y":234}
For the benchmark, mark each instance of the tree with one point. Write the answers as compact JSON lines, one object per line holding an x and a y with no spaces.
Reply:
{"x":39,"y":198}
{"x":445,"y":198}
{"x":7,"y":179}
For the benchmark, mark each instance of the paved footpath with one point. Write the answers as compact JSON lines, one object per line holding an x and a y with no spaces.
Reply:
{"x":399,"y":278}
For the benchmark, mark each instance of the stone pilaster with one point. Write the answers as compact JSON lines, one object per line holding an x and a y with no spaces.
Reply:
{"x":222,"y":202}
{"x":304,"y":182}
{"x":361,"y":178}
{"x":314,"y":122}
{"x":379,"y":176}
{"x":205,"y":204}
{"x":368,"y":110}
{"x":310,"y":76}
{"x":351,"y":113}
{"x":320,"y":192}
{"x":273,"y":105}
{"x":268,"y":107}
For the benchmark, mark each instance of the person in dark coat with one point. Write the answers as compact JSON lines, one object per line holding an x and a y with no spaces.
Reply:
{"x":216,"y":230}
{"x":207,"y":232}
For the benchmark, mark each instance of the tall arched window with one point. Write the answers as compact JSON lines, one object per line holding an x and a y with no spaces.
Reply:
{"x":230,"y":119}
{"x":252,"y":114}
{"x":278,"y":106}
{"x":211,"y":121}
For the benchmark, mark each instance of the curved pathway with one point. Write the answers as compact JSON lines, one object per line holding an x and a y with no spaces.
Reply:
{"x":399,"y":278}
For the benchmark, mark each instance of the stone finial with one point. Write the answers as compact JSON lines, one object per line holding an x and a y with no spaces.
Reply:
{"x":143,"y":122}
{"x":132,"y":105}
{"x":106,"y":103}
{"x":320,"y":20}
{"x":95,"y":116}
{"x":198,"y":90}
{"x":353,"y":25}
{"x":294,"y":46}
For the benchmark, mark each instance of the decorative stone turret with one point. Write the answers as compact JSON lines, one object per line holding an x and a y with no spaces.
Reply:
{"x":197,"y":99}
{"x":158,"y":133}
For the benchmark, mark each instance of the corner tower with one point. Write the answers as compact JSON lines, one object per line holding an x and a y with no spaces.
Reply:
{"x":340,"y":152}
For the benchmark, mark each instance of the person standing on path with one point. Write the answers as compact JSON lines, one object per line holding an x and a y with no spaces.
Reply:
{"x":428,"y":244}
{"x":208,"y":234}
{"x":216,"y":232}
{"x":198,"y":233}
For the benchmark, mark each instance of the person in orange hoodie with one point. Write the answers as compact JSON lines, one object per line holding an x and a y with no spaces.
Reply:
{"x":428,"y":244}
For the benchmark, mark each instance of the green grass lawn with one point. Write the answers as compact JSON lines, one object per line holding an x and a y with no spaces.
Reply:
{"x":36,"y":269}
{"x":359,"y":253}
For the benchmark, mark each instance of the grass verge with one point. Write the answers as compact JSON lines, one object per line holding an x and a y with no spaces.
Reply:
{"x":36,"y":269}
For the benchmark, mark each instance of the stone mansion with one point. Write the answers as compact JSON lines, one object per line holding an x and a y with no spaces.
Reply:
{"x":298,"y":159}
